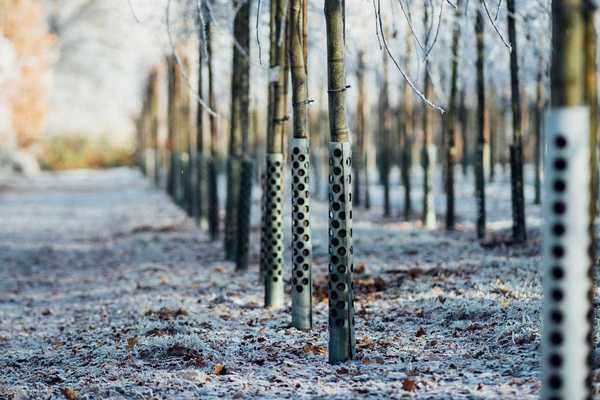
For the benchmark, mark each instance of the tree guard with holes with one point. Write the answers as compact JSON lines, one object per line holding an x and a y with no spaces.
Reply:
{"x":429,"y":160}
{"x":231,"y":217}
{"x":301,"y":236}
{"x":244,"y":215}
{"x":340,"y":289}
{"x":201,"y":190}
{"x":567,"y":330}
{"x":274,"y":231}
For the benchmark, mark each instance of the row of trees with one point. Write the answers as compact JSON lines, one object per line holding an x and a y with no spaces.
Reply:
{"x":193,"y":171}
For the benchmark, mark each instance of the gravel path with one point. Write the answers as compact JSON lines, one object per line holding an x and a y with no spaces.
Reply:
{"x":107,"y":291}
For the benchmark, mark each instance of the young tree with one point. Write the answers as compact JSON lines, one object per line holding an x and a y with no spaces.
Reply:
{"x":481,"y":126}
{"x":428,"y":154}
{"x":300,"y":158}
{"x":539,"y":110}
{"x":200,"y":183}
{"x":273,"y":230}
{"x":407,"y":139}
{"x":172,"y":127}
{"x":213,"y":192}
{"x":341,"y":300}
{"x":451,"y":123}
{"x":360,"y":165}
{"x":516,"y":148}
{"x":154,"y":88}
{"x":385,"y":142}
{"x":244,"y":203}
{"x":568,"y":274}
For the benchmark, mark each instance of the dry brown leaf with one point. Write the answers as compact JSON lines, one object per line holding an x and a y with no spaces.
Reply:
{"x":132,"y":342}
{"x":220,"y":369}
{"x":420,"y":332}
{"x":409,"y":385}
{"x":69,"y":394}
{"x":311,"y":348}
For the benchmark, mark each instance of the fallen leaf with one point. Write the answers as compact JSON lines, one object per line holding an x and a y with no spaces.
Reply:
{"x":220,"y":369}
{"x":409,"y":385}
{"x":132,"y":342}
{"x":69,"y":394}
{"x":420,"y":332}
{"x":46,"y":312}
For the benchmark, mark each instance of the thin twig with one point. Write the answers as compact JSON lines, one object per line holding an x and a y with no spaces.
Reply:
{"x":404,"y":75}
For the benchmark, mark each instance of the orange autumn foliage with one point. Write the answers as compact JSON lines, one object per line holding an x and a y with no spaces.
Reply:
{"x":22,"y":23}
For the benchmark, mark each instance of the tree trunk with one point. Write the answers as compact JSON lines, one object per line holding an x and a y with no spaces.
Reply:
{"x":235,"y":140}
{"x":428,"y":154}
{"x":213,"y":192}
{"x":464,"y":130}
{"x":516,"y":149}
{"x":539,"y":111}
{"x":200,"y":183}
{"x":407,"y":140}
{"x":567,"y":244}
{"x":481,"y":127}
{"x":341,"y":300}
{"x":385,"y":142}
{"x":300,"y":159}
{"x":359,"y":164}
{"x":154,"y":110}
{"x":273,"y":224}
{"x":172,"y":128}
{"x":451,"y":124}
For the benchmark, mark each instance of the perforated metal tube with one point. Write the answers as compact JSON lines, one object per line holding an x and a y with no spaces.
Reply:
{"x":567,"y":330}
{"x":274,"y":231}
{"x":231,"y":218}
{"x":245,"y":206}
{"x":301,"y":235}
{"x":201,"y":192}
{"x":340,"y":288}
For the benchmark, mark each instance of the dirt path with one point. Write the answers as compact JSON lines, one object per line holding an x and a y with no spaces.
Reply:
{"x":108,"y":291}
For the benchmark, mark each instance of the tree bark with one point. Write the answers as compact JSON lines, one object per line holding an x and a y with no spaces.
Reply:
{"x":451,"y":124}
{"x":300,"y":158}
{"x":342,"y":341}
{"x":481,"y":127}
{"x":516,"y":149}
{"x":428,"y":152}
{"x":272,"y":241}
{"x":213,"y":193}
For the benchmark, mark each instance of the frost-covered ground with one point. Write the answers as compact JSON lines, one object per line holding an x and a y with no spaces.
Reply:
{"x":107,"y":290}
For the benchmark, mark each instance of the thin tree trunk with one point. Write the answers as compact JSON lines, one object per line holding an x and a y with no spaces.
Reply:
{"x":300,"y":158}
{"x":341,"y":300}
{"x":539,"y":110}
{"x":200,"y":187}
{"x":172,"y":128}
{"x":464,"y":129}
{"x":493,"y":129}
{"x":516,"y":149}
{"x":408,"y":137}
{"x":242,"y":35}
{"x":481,"y":127}
{"x":154,"y":110}
{"x":273,"y":229}
{"x":428,"y":154}
{"x":359,"y":164}
{"x":451,"y":124}
{"x":235,"y":139}
{"x":384,"y":138}
{"x":213,"y":193}
{"x":567,"y":340}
